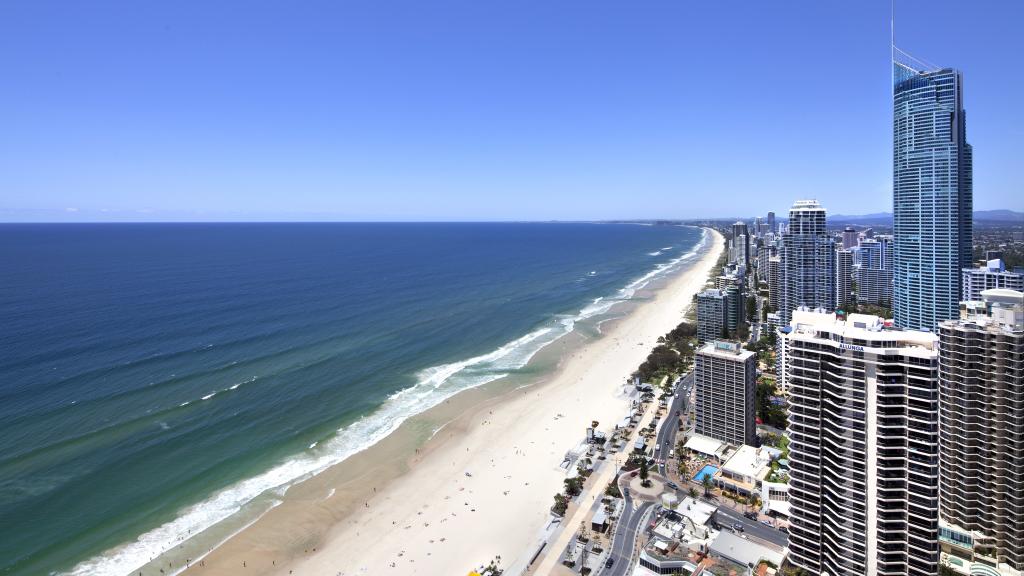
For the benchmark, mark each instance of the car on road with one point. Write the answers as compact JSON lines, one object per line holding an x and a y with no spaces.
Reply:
{"x":737,"y":527}
{"x":751,"y":515}
{"x":608,"y":563}
{"x":766,"y":523}
{"x":672,"y":485}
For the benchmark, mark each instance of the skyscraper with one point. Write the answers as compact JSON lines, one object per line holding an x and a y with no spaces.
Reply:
{"x":774,"y":282}
{"x":863,"y":432}
{"x":932,"y":195}
{"x":740,"y":248}
{"x":849,"y":238}
{"x":807,"y":261}
{"x":844,"y":278}
{"x":712,"y":315}
{"x":771,"y":222}
{"x":981,"y":446}
{"x":725,"y":380}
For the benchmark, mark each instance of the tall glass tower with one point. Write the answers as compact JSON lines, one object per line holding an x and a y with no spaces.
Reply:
{"x":807,"y":261}
{"x":932,"y":196}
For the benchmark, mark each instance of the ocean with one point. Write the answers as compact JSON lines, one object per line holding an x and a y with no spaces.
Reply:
{"x":160,"y":380}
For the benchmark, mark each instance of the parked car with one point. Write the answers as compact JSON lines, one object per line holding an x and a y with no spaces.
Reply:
{"x":608,"y":563}
{"x":766,"y":523}
{"x":751,"y":515}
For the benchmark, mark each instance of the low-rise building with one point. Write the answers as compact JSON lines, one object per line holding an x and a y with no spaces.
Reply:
{"x":707,"y":446}
{"x":745,"y":551}
{"x":775,"y":498}
{"x":680,"y":538}
{"x":743,"y":472}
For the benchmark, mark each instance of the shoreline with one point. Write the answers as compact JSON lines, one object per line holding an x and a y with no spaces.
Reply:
{"x":363,"y":503}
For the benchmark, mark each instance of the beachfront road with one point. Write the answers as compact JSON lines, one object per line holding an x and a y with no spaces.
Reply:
{"x":624,"y":538}
{"x":727,"y":517}
{"x":667,"y":433}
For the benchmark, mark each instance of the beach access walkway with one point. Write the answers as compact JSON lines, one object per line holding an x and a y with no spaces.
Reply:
{"x":593,"y":490}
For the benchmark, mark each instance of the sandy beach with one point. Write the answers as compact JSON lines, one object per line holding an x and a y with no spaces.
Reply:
{"x":480,"y":488}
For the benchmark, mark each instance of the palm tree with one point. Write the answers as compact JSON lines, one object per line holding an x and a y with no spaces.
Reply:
{"x":643,"y":473}
{"x":708,"y":485}
{"x":693,"y":493}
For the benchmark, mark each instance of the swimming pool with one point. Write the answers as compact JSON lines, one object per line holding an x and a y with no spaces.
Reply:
{"x":707,"y":471}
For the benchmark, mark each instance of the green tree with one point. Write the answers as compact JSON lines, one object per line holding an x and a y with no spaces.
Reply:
{"x":573,"y":486}
{"x":708,"y":484}
{"x":613,"y":490}
{"x":561,"y":504}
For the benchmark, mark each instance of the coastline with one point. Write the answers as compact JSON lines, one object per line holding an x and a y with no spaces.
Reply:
{"x":511,"y":437}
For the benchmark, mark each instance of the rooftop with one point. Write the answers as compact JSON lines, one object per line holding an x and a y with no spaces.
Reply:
{"x":806,"y":205}
{"x":748,"y":461}
{"x":999,"y":309}
{"x":698,"y":512}
{"x":726,"y":349}
{"x":743,"y":550}
{"x":865,"y":327}
{"x":705,"y":445}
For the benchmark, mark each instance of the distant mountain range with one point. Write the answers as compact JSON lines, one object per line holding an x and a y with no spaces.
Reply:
{"x":885,"y":218}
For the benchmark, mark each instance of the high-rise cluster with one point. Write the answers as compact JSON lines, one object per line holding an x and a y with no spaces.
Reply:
{"x":907,"y":436}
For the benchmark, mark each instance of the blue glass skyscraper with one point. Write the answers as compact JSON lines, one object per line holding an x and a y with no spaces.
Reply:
{"x":932,"y":195}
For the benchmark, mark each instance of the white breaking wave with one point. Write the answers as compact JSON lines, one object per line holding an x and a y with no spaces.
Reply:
{"x":658,"y":253}
{"x":434,"y":385}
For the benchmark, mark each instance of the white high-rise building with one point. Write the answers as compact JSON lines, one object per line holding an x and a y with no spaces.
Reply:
{"x":863,"y":431}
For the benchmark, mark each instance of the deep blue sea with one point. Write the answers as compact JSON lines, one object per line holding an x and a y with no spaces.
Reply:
{"x":156,"y":378}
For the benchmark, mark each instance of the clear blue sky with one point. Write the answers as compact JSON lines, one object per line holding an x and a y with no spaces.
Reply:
{"x":481,"y":109}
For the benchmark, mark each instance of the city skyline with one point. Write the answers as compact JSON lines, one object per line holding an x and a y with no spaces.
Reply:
{"x":186,"y":124}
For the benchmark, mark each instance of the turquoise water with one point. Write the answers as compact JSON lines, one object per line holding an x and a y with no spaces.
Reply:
{"x":706,"y":472}
{"x":157,"y":380}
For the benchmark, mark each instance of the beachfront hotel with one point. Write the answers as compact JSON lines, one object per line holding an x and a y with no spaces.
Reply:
{"x":932,"y":195}
{"x":807,"y":267}
{"x":981,"y":447}
{"x":725,"y":380}
{"x":864,"y":463}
